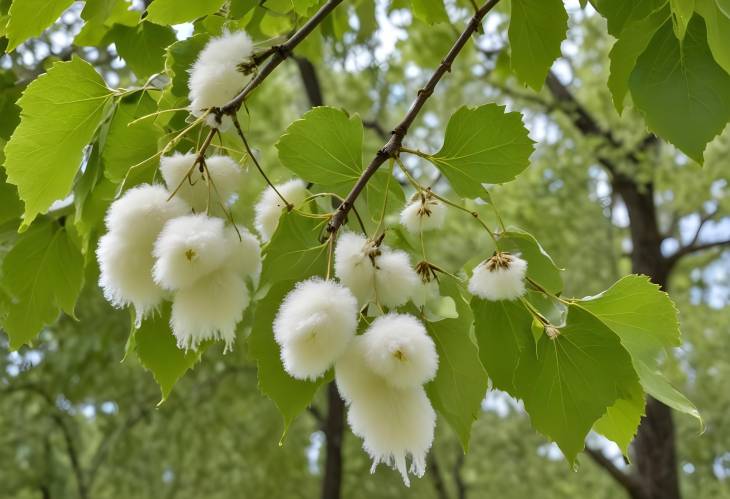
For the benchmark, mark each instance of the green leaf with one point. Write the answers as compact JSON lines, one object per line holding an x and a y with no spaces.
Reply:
{"x":536,"y":30}
{"x":290,"y":395}
{"x":143,"y":46}
{"x":323,"y":147}
{"x":621,"y":13}
{"x":60,"y":113}
{"x":166,"y":12}
{"x":483,"y":145}
{"x":28,"y":18}
{"x":294,"y":251}
{"x":430,"y":11}
{"x":627,"y":49}
{"x":724,"y":6}
{"x":502,"y":330}
{"x":157,"y":350}
{"x":682,"y":11}
{"x":645,"y":319}
{"x":574,"y":379}
{"x":383,"y":190}
{"x":10,"y":205}
{"x":622,"y":419}
{"x":129,"y":145}
{"x":9,"y":94}
{"x":460,"y":384}
{"x":718,"y":31}
{"x":642,"y":315}
{"x":180,"y":57}
{"x":43,"y":274}
{"x":540,"y":266}
{"x":682,"y":92}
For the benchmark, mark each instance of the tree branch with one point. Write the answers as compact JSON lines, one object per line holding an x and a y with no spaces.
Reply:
{"x":392,"y":146}
{"x":632,"y":486}
{"x":278,"y":53}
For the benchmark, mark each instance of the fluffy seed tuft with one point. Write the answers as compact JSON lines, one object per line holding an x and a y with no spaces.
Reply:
{"x":196,"y":191}
{"x":215,"y":78}
{"x":125,"y":252}
{"x":270,"y":206}
{"x":397,"y":347}
{"x":394,"y":423}
{"x":502,"y":277}
{"x":313,"y":327}
{"x":423,"y":213}
{"x":189,"y":248}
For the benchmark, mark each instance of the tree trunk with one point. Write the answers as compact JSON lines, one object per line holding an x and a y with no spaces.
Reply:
{"x":333,"y":430}
{"x":654,"y":447}
{"x":334,"y":425}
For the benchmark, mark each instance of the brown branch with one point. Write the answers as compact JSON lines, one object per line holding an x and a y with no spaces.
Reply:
{"x":393,"y":145}
{"x":280,"y":53}
{"x":434,"y":471}
{"x":632,"y":486}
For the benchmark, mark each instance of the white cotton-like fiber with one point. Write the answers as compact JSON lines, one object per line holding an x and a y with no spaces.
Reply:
{"x":142,"y":211}
{"x":245,"y":252}
{"x":125,"y":252}
{"x":235,"y":47}
{"x":215,"y":78}
{"x":188,"y":248}
{"x":126,"y":274}
{"x":426,"y":293}
{"x":502,"y":277}
{"x":398,"y":348}
{"x":353,"y":267}
{"x":270,"y":206}
{"x":394,"y":423}
{"x":395,"y":279}
{"x":313,"y":327}
{"x":423,"y":213}
{"x":196,"y":190}
{"x":209,"y":310}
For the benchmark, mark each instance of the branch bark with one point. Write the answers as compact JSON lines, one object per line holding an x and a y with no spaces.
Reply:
{"x":393,"y":145}
{"x":630,"y":483}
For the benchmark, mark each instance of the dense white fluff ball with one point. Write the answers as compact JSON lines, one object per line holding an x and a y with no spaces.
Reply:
{"x":125,"y":252}
{"x":196,"y":191}
{"x":126,"y":274}
{"x":395,"y":279}
{"x":245,"y":252}
{"x":314,"y":325}
{"x":215,"y":78}
{"x":394,"y":423}
{"x":209,"y":310}
{"x":423,"y":213}
{"x":142,"y":211}
{"x":270,"y":206}
{"x":353,"y":265}
{"x":398,"y":348}
{"x":189,"y":248}
{"x":502,"y":277}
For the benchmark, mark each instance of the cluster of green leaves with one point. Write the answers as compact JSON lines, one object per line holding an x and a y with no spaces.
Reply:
{"x":74,"y":139}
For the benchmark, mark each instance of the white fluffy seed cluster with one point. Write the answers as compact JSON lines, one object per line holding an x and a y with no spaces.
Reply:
{"x":180,"y":172}
{"x":314,"y":325}
{"x":215,"y":78}
{"x":157,"y":248}
{"x":381,"y":377}
{"x":269,"y":207}
{"x":374,"y":272}
{"x":501,"y":277}
{"x":423,"y":213}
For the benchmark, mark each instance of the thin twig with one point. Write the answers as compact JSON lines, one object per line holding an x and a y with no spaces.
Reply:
{"x":393,"y":145}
